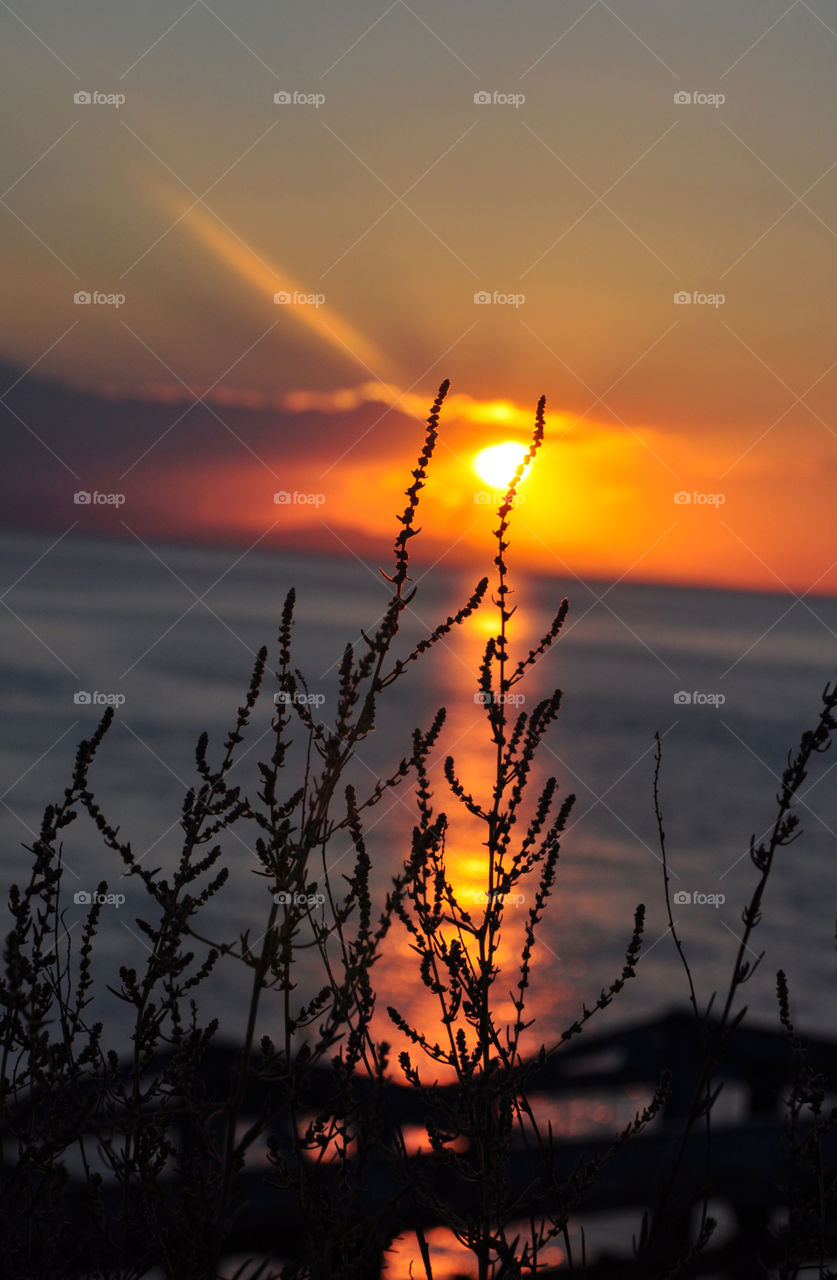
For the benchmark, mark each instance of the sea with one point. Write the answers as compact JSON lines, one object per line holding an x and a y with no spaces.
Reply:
{"x":168,"y":634}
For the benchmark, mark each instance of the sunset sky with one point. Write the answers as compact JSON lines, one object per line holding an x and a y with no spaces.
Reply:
{"x":578,"y":165}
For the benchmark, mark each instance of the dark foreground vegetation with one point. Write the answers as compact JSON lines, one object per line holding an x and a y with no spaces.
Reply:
{"x":297,"y":1150}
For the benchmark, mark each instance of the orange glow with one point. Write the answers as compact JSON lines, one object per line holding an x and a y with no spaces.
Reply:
{"x":449,"y":1258}
{"x":601,"y":500}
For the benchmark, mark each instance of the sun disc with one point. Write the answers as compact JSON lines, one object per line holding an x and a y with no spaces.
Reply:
{"x":497,"y":464}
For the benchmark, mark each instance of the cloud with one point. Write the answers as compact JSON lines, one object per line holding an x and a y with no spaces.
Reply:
{"x":458,"y":406}
{"x":600,"y":500}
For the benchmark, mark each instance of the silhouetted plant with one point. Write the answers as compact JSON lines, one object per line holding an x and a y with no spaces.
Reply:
{"x":805,"y":1236}
{"x":457,"y":948}
{"x":166,"y":1143}
{"x":657,"y":1246}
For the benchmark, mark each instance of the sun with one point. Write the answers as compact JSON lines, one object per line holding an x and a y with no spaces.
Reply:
{"x":497,"y":464}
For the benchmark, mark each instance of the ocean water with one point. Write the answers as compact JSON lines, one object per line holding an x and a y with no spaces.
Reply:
{"x":174,"y":631}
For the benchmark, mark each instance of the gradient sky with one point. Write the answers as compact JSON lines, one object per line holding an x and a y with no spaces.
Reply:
{"x":596,"y":199}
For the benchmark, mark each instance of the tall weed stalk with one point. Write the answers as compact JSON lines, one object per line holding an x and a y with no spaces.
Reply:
{"x":115,"y":1165}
